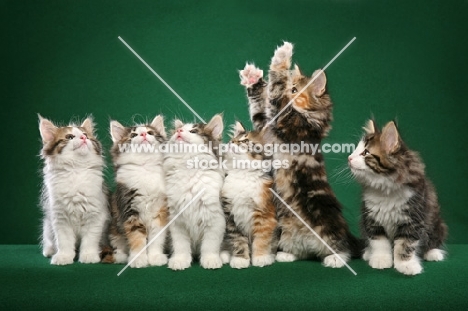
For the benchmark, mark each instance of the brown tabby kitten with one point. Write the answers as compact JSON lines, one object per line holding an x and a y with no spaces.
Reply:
{"x":247,"y":201}
{"x":400,"y":207}
{"x":303,"y":185}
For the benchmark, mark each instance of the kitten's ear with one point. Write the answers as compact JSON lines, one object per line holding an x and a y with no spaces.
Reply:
{"x":88,"y":125}
{"x":390,"y":139}
{"x":371,"y":127}
{"x":215,"y":126}
{"x":237,"y":129}
{"x":296,"y":72}
{"x":117,"y":131}
{"x":47,"y":129}
{"x":158,"y":124}
{"x":178,"y":124}
{"x":320,"y":82}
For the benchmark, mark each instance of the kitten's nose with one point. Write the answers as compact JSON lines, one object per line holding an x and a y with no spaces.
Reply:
{"x":349,"y":159}
{"x":143,"y":134}
{"x":180,"y":130}
{"x":83,"y":137}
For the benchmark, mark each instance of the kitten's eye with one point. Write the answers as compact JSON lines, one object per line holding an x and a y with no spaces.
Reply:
{"x":193,"y":131}
{"x":294,"y":90}
{"x":150,"y":133}
{"x":365,"y":152}
{"x":70,"y":136}
{"x":244,"y":141}
{"x":132,"y":135}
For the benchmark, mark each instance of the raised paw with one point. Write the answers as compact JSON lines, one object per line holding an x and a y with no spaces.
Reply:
{"x":333,"y":261}
{"x":381,"y":261}
{"x":157,"y":259}
{"x":285,"y":257}
{"x":62,"y":259}
{"x":282,"y":58}
{"x":239,"y":263}
{"x":89,"y":257}
{"x":408,"y":267}
{"x":250,"y":75}
{"x":434,"y":255}
{"x":180,"y":262}
{"x":140,"y":261}
{"x":211,"y":261}
{"x":262,"y":261}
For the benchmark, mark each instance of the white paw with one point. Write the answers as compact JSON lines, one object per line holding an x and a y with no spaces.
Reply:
{"x":89,"y":257}
{"x":180,"y":262}
{"x":285,"y":257}
{"x":262,"y":261}
{"x":366,"y":255}
{"x":408,"y":267}
{"x":138,"y":261}
{"x":239,"y":263}
{"x":120,"y":257}
{"x":282,"y":56}
{"x":434,"y":255}
{"x":333,"y":261}
{"x":61,"y":259}
{"x":225,"y":257}
{"x":250,"y":75}
{"x":211,"y":261}
{"x":381,"y":261}
{"x":157,"y":259}
{"x":48,"y":251}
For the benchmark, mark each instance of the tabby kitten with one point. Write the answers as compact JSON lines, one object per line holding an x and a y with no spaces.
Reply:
{"x":248,"y":203}
{"x":400,"y":207}
{"x":139,"y":206}
{"x":200,"y":228}
{"x":304,"y":185}
{"x":74,"y":197}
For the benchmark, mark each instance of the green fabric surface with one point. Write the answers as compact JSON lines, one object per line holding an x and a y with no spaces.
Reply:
{"x":29,"y":282}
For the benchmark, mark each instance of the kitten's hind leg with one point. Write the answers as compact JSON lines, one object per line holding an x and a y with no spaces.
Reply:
{"x":434,"y":254}
{"x":285,"y":257}
{"x":251,"y":78}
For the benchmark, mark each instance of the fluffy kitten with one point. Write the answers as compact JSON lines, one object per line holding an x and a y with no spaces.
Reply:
{"x":248,"y":203}
{"x":74,"y":197}
{"x":200,"y":228}
{"x":400,"y":208}
{"x":303,"y":185}
{"x":139,"y":206}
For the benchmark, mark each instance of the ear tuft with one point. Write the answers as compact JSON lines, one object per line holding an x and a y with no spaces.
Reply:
{"x":47,"y":129}
{"x":117,"y":131}
{"x":390,"y":139}
{"x":320,"y":82}
{"x":158,"y":124}
{"x":215,"y":126}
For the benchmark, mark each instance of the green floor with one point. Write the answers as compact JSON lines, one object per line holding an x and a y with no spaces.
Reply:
{"x":28,"y":281}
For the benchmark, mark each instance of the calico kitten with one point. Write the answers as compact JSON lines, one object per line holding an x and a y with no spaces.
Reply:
{"x":400,"y":207}
{"x":74,"y":197}
{"x":139,"y":205}
{"x":303,"y":185}
{"x":200,"y":228}
{"x":248,"y":203}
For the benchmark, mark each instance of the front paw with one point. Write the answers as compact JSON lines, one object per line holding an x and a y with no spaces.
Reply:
{"x":408,"y":267}
{"x":282,"y":58}
{"x":239,"y":263}
{"x":381,"y":261}
{"x":250,"y":75}
{"x":262,"y":261}
{"x":333,"y":261}
{"x":140,"y":261}
{"x":211,"y":261}
{"x":180,"y":262}
{"x":157,"y":259}
{"x":89,"y":257}
{"x":62,"y":259}
{"x":285,"y":257}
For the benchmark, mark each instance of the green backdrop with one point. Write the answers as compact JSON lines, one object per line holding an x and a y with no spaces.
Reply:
{"x":63,"y":59}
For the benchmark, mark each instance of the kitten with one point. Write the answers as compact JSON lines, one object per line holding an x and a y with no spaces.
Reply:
{"x":400,"y":207}
{"x":139,"y":205}
{"x":248,"y":202}
{"x":200,"y":228}
{"x":74,"y":197}
{"x":303,"y":185}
